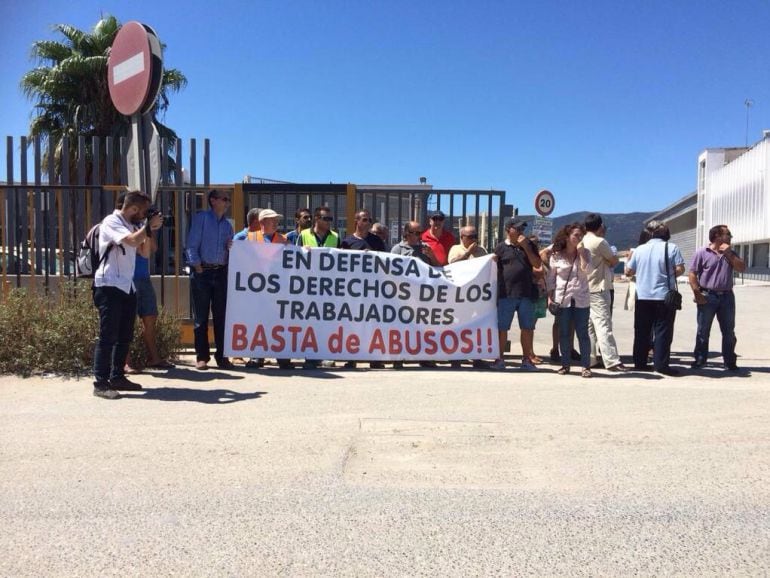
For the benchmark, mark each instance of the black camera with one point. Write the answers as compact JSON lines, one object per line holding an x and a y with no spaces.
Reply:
{"x":153,"y":210}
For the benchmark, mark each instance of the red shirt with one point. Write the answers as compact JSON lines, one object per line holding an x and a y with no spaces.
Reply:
{"x":440,"y":246}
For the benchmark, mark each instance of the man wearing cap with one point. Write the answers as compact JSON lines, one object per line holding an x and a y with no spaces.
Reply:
{"x":516,"y":259}
{"x":437,"y":238}
{"x":268,"y":233}
{"x":207,"y":251}
{"x":320,"y":234}
{"x":468,"y":247}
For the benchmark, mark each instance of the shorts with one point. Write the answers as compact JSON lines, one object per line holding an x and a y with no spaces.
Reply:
{"x":506,"y":307}
{"x":146,"y":304}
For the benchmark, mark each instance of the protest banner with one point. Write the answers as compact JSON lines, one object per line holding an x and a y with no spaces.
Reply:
{"x":290,"y":302}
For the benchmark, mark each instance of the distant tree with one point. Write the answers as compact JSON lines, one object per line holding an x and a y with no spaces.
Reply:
{"x":71,"y":97}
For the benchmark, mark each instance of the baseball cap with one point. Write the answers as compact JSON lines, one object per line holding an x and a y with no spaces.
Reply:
{"x":438,"y":214}
{"x":268,"y":214}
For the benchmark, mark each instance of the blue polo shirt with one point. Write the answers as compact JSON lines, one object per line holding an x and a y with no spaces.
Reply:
{"x":649,"y":263}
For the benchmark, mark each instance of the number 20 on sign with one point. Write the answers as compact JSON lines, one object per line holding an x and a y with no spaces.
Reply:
{"x":544,"y":203}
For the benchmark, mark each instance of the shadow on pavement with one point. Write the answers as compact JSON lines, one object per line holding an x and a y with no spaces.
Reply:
{"x":188,"y":374}
{"x":210,"y":396}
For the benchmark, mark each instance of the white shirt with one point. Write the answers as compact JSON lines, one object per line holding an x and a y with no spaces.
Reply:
{"x":118,"y":269}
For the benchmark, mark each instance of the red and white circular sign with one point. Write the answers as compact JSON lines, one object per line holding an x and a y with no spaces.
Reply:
{"x":545,"y":203}
{"x":132,"y":68}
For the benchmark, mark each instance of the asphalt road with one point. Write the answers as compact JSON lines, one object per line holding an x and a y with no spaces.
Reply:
{"x":392,"y":473}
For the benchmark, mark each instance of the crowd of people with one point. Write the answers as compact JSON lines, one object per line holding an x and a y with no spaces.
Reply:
{"x":572,"y":278}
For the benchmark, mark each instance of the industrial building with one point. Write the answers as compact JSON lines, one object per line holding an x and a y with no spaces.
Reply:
{"x":733,"y":189}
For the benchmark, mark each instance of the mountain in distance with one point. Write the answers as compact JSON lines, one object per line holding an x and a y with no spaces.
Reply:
{"x":622,"y":228}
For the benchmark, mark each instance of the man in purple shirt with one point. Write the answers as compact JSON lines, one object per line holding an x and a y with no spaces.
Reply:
{"x":711,"y":279}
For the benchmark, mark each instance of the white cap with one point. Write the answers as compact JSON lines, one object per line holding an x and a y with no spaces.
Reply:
{"x":268,"y":214}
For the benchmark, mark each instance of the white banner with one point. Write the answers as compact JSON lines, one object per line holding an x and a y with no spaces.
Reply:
{"x":289,"y":302}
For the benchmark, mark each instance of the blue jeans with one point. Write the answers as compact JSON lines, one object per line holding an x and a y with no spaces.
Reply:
{"x":721,"y":305}
{"x":117,"y":311}
{"x":209,"y":292}
{"x":578,"y":315}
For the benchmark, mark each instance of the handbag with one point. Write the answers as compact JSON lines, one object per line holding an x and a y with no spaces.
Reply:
{"x":554,"y":307}
{"x":673,"y":299}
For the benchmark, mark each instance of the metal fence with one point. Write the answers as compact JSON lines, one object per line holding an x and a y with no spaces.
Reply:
{"x":391,"y":205}
{"x":46,"y":210}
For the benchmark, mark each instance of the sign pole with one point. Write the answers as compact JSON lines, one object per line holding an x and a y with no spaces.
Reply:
{"x":136,"y":154}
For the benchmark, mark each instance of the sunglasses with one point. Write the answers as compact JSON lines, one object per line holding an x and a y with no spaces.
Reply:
{"x":327,"y":219}
{"x":470,"y":236}
{"x":305,"y":217}
{"x":414,"y":232}
{"x":365,"y":220}
{"x":439,"y":218}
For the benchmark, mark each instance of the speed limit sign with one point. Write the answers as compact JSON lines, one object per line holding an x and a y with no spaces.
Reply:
{"x":544,"y":203}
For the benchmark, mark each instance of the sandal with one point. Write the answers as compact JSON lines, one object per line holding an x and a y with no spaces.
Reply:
{"x":586,"y":373}
{"x":563,"y":371}
{"x":128,"y":370}
{"x":535,"y":359}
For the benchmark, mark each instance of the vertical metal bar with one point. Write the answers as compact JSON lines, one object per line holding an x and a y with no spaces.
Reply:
{"x":41,"y":214}
{"x":53,"y":223}
{"x":109,"y":159}
{"x":4,"y":256}
{"x":178,"y":177}
{"x":490,"y":224}
{"x":385,"y":216}
{"x":23,"y":214}
{"x":350,"y":207}
{"x":164,"y":180}
{"x":82,"y":212}
{"x":99,"y":209}
{"x":10,"y":231}
{"x":206,"y":157}
{"x":193,"y":176}
{"x":64,"y":211}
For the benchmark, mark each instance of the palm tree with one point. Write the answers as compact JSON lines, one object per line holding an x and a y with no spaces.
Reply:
{"x":71,"y":97}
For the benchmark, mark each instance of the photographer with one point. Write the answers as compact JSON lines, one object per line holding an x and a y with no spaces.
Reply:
{"x":114,"y":293}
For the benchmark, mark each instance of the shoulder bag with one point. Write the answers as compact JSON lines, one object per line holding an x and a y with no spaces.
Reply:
{"x":673,"y":298}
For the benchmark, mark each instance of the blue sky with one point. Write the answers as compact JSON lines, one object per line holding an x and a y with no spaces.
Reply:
{"x":605,"y":103}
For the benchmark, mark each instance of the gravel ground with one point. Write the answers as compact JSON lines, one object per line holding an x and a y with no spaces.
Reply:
{"x":385,"y":473}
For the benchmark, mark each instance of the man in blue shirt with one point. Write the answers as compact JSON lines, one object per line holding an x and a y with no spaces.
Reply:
{"x":653,"y":281}
{"x":207,"y":251}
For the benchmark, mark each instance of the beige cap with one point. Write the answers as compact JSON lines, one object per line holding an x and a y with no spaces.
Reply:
{"x":268,"y":214}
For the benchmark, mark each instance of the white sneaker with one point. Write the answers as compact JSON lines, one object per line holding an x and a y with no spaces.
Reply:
{"x":498,"y":364}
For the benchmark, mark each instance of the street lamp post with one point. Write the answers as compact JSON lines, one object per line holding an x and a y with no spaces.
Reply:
{"x":748,"y":103}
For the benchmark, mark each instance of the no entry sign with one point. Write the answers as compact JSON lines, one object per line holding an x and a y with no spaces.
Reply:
{"x":544,"y":203}
{"x":134,"y":68}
